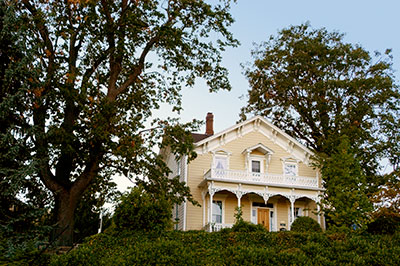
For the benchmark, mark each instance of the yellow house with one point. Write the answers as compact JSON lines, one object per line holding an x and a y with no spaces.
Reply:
{"x":254,"y":165}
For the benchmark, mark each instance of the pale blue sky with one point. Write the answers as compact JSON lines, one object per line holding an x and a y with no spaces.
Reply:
{"x":372,"y":24}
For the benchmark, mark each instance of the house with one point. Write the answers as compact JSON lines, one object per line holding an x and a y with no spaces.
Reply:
{"x":253,"y":164}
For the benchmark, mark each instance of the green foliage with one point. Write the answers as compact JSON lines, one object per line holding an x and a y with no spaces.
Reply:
{"x":304,"y":224}
{"x":385,"y":222}
{"x":244,"y":226}
{"x":142,"y":211}
{"x":320,"y":90}
{"x":313,"y":85}
{"x":233,"y":248}
{"x":24,"y":201}
{"x":345,"y":197}
{"x":26,"y":253}
{"x":80,"y":81}
{"x":87,"y":214}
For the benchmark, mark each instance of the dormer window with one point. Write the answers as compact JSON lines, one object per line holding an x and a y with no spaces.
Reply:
{"x":257,"y":158}
{"x":256,"y":166}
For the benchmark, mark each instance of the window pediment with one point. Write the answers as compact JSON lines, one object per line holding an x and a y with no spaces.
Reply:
{"x":261,"y":148}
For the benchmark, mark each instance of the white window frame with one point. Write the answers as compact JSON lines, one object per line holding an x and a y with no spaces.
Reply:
{"x":290,"y":161}
{"x":220,"y":154}
{"x":258,"y":158}
{"x":222,"y":211}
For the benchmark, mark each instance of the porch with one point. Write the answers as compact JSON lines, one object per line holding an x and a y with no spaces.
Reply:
{"x":275,"y":208}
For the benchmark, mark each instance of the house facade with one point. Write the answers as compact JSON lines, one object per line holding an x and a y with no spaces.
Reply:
{"x":254,"y":165}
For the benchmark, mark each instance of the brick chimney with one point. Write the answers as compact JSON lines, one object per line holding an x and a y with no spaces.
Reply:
{"x":210,"y":124}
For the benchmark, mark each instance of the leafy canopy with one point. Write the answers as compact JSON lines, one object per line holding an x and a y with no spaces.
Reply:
{"x":313,"y":85}
{"x":339,"y":101}
{"x":94,"y":71}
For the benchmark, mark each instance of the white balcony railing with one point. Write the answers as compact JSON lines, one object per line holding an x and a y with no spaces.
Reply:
{"x":215,"y":227}
{"x":273,"y":179}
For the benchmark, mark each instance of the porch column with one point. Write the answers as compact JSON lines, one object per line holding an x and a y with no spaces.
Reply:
{"x":318,"y":213}
{"x":203,"y":197}
{"x":292,"y":200}
{"x":210,"y":206}
{"x":239,"y":195}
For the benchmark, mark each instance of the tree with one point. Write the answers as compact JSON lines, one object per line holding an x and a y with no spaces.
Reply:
{"x":22,"y":218}
{"x":140,"y":210}
{"x":314,"y":85}
{"x":345,"y":199}
{"x":321,"y":90}
{"x":97,"y":69}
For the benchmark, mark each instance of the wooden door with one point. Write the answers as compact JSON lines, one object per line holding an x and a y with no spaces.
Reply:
{"x":263,"y":217}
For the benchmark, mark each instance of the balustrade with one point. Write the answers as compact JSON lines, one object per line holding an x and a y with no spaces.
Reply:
{"x":243,"y":176}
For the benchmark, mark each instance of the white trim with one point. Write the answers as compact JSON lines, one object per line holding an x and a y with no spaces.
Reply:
{"x":276,"y":216}
{"x":221,"y":152}
{"x":185,"y":175}
{"x":262,"y":119}
{"x":260,"y":159}
{"x":289,"y":160}
{"x":259,"y":146}
{"x":251,"y":209}
{"x":222,"y":200}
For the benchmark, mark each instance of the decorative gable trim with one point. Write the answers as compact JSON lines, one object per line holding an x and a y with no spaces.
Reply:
{"x":221,"y":151}
{"x":259,"y":146}
{"x":256,"y":124}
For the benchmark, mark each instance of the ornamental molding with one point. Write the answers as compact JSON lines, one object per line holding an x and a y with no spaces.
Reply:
{"x":239,"y":192}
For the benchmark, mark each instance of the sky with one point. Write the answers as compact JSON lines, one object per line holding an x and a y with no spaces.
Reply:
{"x":375,"y":25}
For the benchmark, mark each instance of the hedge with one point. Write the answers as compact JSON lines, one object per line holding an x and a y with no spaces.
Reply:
{"x":234,"y":248}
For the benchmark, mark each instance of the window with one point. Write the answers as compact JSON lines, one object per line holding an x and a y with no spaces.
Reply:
{"x":217,"y":211}
{"x":255,"y":166}
{"x":221,"y":162}
{"x":290,"y":169}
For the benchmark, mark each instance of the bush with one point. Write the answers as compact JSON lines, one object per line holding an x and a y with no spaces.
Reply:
{"x":305,"y":224}
{"x":385,"y":223}
{"x":243,"y":226}
{"x":233,"y":248}
{"x":142,"y":211}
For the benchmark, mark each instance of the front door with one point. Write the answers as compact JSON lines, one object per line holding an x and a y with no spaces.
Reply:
{"x":263,"y":218}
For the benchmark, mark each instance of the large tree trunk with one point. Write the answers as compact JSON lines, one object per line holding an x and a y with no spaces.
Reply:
{"x":64,"y":231}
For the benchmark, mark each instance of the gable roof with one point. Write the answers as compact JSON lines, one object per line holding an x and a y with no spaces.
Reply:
{"x":269,"y":129}
{"x":198,"y":136}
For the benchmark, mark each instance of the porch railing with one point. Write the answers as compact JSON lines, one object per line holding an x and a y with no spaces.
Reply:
{"x":215,"y":227}
{"x":240,"y":176}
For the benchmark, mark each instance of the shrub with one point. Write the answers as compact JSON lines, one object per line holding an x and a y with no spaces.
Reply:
{"x":257,"y":248}
{"x":385,"y":223}
{"x":142,"y":211}
{"x":305,"y":224}
{"x":243,"y":226}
